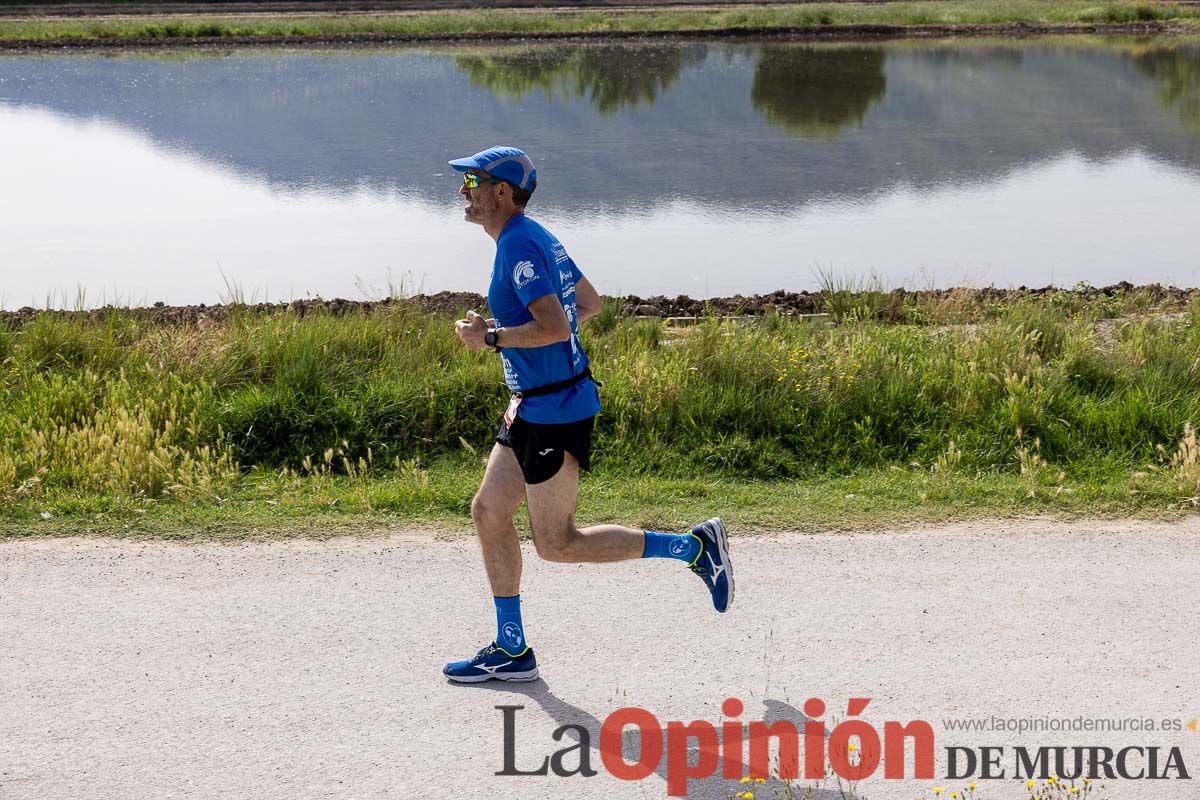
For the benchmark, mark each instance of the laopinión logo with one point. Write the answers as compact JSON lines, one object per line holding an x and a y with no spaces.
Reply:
{"x":695,"y":750}
{"x":633,"y":745}
{"x":1069,"y":762}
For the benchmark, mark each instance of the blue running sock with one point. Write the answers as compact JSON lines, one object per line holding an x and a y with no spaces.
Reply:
{"x":510,"y":633}
{"x":682,"y":546}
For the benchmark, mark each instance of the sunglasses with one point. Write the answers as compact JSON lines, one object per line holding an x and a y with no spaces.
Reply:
{"x":472,"y":181}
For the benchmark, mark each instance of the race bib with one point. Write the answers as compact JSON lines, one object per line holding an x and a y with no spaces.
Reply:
{"x":510,"y":413}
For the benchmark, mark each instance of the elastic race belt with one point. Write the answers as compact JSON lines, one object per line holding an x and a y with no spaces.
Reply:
{"x":551,"y":388}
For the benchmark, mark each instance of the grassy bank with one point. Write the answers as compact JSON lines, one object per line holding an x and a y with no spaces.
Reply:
{"x":931,"y":409}
{"x":451,"y":24}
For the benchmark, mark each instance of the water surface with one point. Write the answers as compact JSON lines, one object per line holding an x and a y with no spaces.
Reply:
{"x":706,"y":169}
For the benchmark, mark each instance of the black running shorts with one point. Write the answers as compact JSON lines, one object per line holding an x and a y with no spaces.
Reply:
{"x":539,"y":447}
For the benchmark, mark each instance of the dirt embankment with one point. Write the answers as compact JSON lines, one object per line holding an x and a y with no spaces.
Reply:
{"x":781,"y":302}
{"x":816,"y":33}
{"x":201,"y":10}
{"x":290,"y":7}
{"x":134,"y":8}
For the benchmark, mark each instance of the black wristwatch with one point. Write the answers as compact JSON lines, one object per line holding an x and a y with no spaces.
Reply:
{"x":489,"y":339}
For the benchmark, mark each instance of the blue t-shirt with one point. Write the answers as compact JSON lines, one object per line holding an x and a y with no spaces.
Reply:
{"x":531,"y":263}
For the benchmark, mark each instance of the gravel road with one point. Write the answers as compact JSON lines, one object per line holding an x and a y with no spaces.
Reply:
{"x":311,"y":669}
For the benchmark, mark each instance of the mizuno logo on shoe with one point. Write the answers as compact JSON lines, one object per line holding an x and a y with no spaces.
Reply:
{"x":716,"y":569}
{"x":547,"y":450}
{"x":492,"y":670}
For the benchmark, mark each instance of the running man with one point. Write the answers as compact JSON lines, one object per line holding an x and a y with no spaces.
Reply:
{"x":540,"y":298}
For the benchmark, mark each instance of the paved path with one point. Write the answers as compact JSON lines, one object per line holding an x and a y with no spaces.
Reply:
{"x":303,"y":669}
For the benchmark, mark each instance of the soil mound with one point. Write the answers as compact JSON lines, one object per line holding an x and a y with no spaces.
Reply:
{"x":780,"y":302}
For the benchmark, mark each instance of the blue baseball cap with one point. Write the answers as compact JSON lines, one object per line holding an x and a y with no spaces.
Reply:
{"x":503,"y":162}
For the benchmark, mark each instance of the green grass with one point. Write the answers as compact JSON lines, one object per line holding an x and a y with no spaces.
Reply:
{"x":481,"y":21}
{"x":263,"y":505}
{"x":905,"y":409}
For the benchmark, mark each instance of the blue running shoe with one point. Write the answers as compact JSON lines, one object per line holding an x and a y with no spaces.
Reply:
{"x":493,"y":663}
{"x":712,"y":563}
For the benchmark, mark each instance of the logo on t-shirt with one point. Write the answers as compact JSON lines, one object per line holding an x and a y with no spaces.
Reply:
{"x":524,"y":274}
{"x":511,"y":376}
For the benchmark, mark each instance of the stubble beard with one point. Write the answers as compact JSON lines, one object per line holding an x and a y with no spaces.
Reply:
{"x":473,"y":213}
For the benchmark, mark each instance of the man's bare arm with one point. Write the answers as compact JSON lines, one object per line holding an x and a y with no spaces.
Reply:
{"x":549,"y":325}
{"x":587,"y":300}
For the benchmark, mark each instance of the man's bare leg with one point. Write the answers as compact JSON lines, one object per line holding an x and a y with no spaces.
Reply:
{"x":552,"y":520}
{"x":492,"y":510}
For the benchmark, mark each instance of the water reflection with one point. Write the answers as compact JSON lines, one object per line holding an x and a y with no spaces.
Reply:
{"x":1177,"y":70}
{"x":816,"y":91}
{"x":610,"y":77}
{"x":985,"y":55}
{"x":775,"y":126}
{"x":705,"y":168}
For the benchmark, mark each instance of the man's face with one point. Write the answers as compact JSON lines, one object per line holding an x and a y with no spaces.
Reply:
{"x":481,"y":201}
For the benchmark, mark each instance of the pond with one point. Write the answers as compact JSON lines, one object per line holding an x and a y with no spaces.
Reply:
{"x":706,"y":169}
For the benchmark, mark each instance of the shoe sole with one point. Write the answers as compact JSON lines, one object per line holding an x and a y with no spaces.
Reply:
{"x":515,"y":677}
{"x":723,"y":551}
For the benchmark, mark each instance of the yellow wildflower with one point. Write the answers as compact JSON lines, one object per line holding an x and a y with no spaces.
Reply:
{"x":852,"y":747}
{"x":744,"y":780}
{"x":937,"y":790}
{"x":971,"y":786}
{"x":1030,"y":784}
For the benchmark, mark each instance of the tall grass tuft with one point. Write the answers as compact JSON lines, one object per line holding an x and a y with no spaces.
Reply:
{"x":1185,"y":463}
